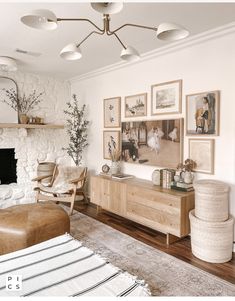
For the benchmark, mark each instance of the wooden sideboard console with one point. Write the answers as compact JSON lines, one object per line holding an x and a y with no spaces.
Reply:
{"x":139,"y":200}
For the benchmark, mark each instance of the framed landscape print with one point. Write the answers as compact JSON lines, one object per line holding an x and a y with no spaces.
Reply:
{"x":136,"y":105}
{"x":154,"y":142}
{"x":202,"y":152}
{"x":202,"y":113}
{"x":167,"y":98}
{"x":111,"y":141}
{"x":112,"y":112}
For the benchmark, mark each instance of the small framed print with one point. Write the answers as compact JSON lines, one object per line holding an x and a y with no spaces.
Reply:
{"x":136,"y":105}
{"x":167,"y":98}
{"x":202,"y":114}
{"x":202,"y":152}
{"x":112,"y":112}
{"x":111,"y":141}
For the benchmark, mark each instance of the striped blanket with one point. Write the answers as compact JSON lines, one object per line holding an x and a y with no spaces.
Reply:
{"x":63,"y":267}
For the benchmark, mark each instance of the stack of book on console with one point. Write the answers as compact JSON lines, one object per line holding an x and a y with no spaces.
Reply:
{"x":167,"y":176}
{"x":181,"y":186}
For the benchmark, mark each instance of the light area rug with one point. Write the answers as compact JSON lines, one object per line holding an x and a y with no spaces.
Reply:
{"x":165,"y":274}
{"x":62,"y":266}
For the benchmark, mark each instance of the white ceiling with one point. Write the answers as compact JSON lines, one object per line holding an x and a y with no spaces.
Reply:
{"x":98,"y":51}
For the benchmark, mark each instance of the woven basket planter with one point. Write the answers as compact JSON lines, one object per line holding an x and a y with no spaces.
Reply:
{"x":211,"y":200}
{"x":211,"y":241}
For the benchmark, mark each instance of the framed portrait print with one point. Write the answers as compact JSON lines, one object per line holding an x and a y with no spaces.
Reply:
{"x":202,"y":113}
{"x":167,"y":98}
{"x":111,"y":141}
{"x":202,"y":152}
{"x":112,"y":112}
{"x":136,"y":105}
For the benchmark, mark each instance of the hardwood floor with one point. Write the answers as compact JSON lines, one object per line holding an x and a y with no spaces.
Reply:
{"x":180,"y":249}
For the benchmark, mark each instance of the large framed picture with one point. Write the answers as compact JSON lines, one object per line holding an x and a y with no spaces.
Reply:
{"x":136,"y":105}
{"x":111,"y":141}
{"x":112,"y":112}
{"x":202,"y":113}
{"x":202,"y":152}
{"x":167,"y":98}
{"x":155,"y":142}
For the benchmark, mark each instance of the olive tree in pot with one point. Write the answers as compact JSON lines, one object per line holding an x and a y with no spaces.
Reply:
{"x":77,"y":127}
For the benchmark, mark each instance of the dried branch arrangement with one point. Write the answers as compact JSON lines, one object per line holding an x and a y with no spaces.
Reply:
{"x":115,"y":154}
{"x":22,"y":104}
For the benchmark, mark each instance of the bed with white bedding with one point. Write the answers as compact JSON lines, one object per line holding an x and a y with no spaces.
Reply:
{"x":62,"y":266}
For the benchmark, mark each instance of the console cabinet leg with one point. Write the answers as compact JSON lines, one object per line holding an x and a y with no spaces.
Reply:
{"x":98,"y":209}
{"x":171,"y":238}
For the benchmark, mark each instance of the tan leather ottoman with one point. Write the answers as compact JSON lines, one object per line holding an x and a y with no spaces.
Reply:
{"x":22,"y":226}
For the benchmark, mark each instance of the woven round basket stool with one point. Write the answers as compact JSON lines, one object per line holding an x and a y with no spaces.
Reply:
{"x":211,"y":200}
{"x":211,"y":241}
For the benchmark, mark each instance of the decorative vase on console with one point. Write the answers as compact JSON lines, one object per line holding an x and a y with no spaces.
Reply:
{"x":115,"y":156}
{"x":185,"y":171}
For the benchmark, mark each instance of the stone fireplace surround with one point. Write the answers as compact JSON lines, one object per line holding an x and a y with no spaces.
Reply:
{"x":35,"y":144}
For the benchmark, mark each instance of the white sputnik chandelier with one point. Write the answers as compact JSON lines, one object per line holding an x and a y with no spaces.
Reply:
{"x":47,"y":20}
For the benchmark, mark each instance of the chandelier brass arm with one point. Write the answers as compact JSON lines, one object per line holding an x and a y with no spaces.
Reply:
{"x":74,"y":19}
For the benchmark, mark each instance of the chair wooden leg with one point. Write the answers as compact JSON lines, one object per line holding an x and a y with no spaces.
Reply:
{"x":37,"y":196}
{"x":72,"y":202}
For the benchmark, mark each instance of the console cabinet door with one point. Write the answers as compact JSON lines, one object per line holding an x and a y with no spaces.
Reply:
{"x":110,"y":195}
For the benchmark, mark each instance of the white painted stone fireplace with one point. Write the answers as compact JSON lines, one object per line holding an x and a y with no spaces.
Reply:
{"x":32,"y":145}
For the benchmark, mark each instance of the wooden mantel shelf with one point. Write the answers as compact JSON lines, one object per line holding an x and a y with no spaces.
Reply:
{"x":31,"y":126}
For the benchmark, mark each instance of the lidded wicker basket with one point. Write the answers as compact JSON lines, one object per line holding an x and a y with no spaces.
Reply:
{"x":211,"y":200}
{"x":211,"y":241}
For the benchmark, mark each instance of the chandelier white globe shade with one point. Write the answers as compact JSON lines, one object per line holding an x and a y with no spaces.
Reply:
{"x":7,"y":64}
{"x":71,"y":52}
{"x":40,"y":19}
{"x":171,"y":32}
{"x":130,"y":54}
{"x":107,"y":8}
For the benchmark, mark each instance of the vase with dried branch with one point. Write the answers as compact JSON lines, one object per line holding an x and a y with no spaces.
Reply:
{"x":22,"y":104}
{"x":115,"y":156}
{"x":186,"y":170}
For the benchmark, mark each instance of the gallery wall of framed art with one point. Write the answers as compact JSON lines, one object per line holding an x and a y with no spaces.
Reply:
{"x":148,"y":139}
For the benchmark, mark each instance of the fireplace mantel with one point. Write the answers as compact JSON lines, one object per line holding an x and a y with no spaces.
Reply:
{"x":31,"y":126}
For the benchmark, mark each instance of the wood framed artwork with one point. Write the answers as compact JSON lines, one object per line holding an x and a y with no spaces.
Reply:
{"x":136,"y":105}
{"x":112,"y":112}
{"x":202,"y":152}
{"x":154,"y":142}
{"x":111,"y":141}
{"x":202,"y":113}
{"x":167,"y":98}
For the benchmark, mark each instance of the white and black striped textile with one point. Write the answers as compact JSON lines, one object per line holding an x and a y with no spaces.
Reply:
{"x":63,"y":267}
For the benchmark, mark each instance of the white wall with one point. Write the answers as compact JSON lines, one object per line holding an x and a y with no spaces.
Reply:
{"x":206,"y":66}
{"x":35,"y":144}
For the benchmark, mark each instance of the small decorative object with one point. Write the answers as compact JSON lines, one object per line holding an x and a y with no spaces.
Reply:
{"x":111,"y":142}
{"x":202,"y":113}
{"x":186,"y":170}
{"x":136,"y":105}
{"x":202,"y":152}
{"x":112,"y":112}
{"x":146,"y":142}
{"x":76,"y":129}
{"x":115,"y":167}
{"x":23,"y":118}
{"x":105,"y":168}
{"x":23,"y":105}
{"x":167,"y":97}
{"x":156,"y":177}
